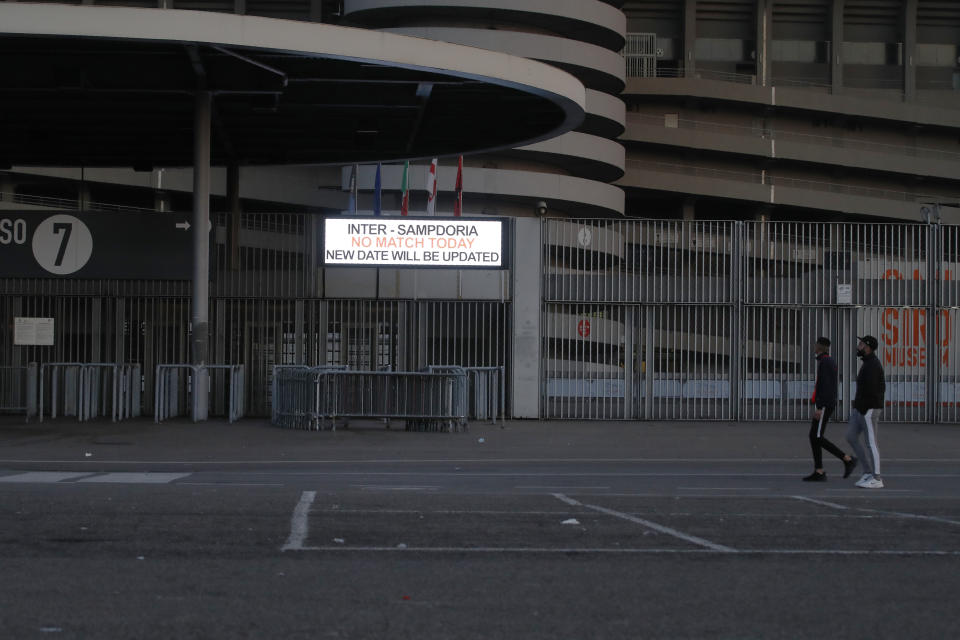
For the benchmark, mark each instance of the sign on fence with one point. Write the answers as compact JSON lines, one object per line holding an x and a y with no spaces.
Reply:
{"x":33,"y":331}
{"x":411,"y":242}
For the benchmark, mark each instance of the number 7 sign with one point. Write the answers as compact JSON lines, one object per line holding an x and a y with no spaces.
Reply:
{"x":62,"y":244}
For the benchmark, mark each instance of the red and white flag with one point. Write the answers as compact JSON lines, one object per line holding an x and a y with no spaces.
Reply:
{"x":405,"y":188}
{"x":458,"y":205}
{"x":432,"y":188}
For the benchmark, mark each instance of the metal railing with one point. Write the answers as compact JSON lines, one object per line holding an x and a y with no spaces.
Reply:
{"x":18,"y":389}
{"x":665,"y":320}
{"x":288,"y":404}
{"x":71,"y":204}
{"x":427,"y":401}
{"x":891,"y":90}
{"x":764,"y":177}
{"x":486,"y":388}
{"x":179,"y":386}
{"x":806,"y":138}
{"x":88,"y":390}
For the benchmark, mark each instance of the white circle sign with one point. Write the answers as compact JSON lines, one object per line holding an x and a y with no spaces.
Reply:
{"x":62,"y":244}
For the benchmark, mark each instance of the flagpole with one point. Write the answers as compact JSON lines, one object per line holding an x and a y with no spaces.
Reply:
{"x":458,"y":204}
{"x":377,"y":202}
{"x":405,"y":191}
{"x":432,"y":188}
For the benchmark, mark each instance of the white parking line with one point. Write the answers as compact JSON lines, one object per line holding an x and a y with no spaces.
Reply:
{"x":724,"y":488}
{"x":298,"y":523}
{"x":548,"y":488}
{"x":631,"y":551}
{"x":388,"y":487}
{"x":898,"y":514}
{"x":135,"y":478}
{"x":44,"y":477}
{"x":650,"y":525}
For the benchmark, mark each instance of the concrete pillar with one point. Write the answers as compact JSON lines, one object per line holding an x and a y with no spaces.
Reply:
{"x":764,"y":39}
{"x":910,"y":50}
{"x":527,"y":338}
{"x":201,"y":226}
{"x":689,"y":38}
{"x":836,"y":45}
{"x":7,"y":187}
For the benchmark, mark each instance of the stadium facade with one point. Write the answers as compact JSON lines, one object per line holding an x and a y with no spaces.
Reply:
{"x":738,"y":165}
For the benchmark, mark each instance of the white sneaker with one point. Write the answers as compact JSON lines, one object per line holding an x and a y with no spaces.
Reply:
{"x":863,"y":479}
{"x":872,"y":483}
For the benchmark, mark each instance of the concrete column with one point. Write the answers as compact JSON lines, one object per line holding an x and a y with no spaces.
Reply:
{"x":689,"y":37}
{"x":836,"y":44}
{"x":201,"y":226}
{"x":7,"y":187}
{"x":527,"y":338}
{"x":764,"y":38}
{"x":910,"y":50}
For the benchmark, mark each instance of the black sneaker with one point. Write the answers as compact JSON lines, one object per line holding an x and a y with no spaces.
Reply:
{"x":816,"y":477}
{"x":849,"y":466}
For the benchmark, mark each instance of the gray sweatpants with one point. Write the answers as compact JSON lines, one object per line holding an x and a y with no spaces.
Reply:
{"x":866,"y":424}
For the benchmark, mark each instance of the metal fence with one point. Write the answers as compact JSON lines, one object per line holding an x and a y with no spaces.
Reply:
{"x":717,"y":320}
{"x":199,"y":391}
{"x":90,"y":390}
{"x":18,"y":389}
{"x":306,"y":398}
{"x":272,"y":303}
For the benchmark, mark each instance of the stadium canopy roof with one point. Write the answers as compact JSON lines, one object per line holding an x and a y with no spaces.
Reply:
{"x":114,"y":86}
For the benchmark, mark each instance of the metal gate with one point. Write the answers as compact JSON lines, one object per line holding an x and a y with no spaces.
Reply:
{"x":651,"y":319}
{"x":271,"y":304}
{"x":640,"y":52}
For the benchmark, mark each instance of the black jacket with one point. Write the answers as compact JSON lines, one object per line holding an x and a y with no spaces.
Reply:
{"x":825,"y":393}
{"x":871,"y":386}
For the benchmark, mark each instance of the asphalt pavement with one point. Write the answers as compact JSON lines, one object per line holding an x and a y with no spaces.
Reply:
{"x":526,"y":530}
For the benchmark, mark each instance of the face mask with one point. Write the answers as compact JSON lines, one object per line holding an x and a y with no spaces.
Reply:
{"x":861,"y":353}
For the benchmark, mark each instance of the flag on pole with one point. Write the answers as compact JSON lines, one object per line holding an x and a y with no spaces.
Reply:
{"x":376,"y":194}
{"x":432,"y":188}
{"x":353,"y":188}
{"x":405,"y":203}
{"x":458,"y":205}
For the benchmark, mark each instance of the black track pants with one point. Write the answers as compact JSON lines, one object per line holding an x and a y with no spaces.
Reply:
{"x":818,"y":439}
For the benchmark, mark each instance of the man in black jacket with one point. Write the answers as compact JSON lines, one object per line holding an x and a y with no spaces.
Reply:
{"x":825,"y":401}
{"x":863,"y":416}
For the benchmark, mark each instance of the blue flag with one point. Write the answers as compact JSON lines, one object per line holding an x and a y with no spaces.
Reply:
{"x":376,"y":194}
{"x":353,"y":189}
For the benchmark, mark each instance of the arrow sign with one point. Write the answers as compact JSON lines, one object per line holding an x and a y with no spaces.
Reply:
{"x":183,"y":225}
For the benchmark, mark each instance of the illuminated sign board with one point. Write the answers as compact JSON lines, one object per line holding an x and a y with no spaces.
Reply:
{"x":460,"y":243}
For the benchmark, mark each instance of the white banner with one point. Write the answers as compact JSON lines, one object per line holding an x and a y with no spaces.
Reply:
{"x":410,"y":242}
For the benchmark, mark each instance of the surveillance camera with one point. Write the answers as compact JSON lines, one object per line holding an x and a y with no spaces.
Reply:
{"x":541,"y":208}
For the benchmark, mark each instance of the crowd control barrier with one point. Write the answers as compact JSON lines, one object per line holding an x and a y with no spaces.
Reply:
{"x":182,"y":387}
{"x":295,"y":400}
{"x":488,"y":396}
{"x":18,"y":389}
{"x":90,"y":390}
{"x":486,"y":388}
{"x":428,"y":401}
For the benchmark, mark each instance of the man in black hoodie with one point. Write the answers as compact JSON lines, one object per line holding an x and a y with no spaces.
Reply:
{"x":871,"y":388}
{"x":825,"y":401}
